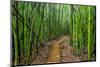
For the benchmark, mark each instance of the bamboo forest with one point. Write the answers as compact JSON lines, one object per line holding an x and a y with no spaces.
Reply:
{"x":47,"y":33}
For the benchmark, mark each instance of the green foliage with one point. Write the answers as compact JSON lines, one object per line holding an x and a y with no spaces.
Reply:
{"x":34,"y":23}
{"x":82,"y":29}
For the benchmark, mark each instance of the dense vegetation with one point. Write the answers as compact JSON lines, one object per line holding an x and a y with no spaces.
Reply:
{"x":82,"y":28}
{"x":34,"y":24}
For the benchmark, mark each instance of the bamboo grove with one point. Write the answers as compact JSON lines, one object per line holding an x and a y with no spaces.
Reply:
{"x":34,"y":23}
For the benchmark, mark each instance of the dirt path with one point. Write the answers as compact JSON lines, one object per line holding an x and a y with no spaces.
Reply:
{"x":58,"y":51}
{"x":54,"y":54}
{"x":54,"y":51}
{"x":61,"y":51}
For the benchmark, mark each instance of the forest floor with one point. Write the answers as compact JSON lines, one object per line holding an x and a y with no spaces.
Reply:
{"x":67,"y":52}
{"x":58,"y":51}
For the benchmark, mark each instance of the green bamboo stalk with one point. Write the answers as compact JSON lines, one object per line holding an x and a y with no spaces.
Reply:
{"x":89,"y":55}
{"x":15,"y":43}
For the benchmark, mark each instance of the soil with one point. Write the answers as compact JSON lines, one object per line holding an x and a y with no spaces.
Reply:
{"x":67,"y":54}
{"x":51,"y":51}
{"x":43,"y":52}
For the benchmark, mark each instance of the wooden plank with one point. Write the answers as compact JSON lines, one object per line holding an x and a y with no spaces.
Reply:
{"x":54,"y":52}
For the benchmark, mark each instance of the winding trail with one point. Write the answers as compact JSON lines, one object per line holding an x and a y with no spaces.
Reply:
{"x":54,"y":51}
{"x":61,"y":51}
{"x":58,"y":51}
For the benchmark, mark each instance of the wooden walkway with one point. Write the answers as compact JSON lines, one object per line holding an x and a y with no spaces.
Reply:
{"x":54,"y":52}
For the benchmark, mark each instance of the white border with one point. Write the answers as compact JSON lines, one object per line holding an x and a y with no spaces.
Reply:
{"x":5,"y":33}
{"x":84,"y":2}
